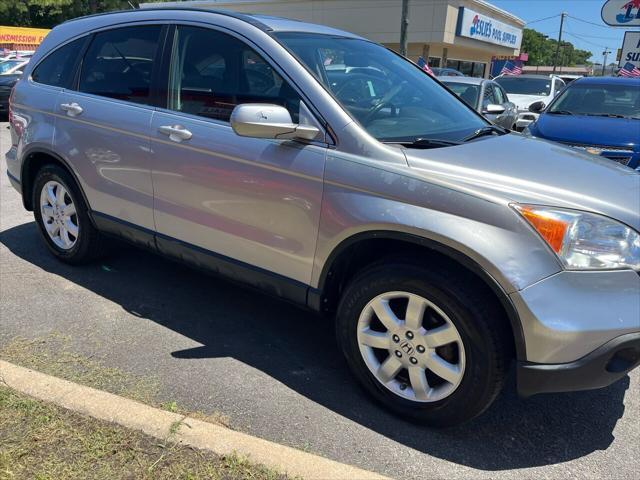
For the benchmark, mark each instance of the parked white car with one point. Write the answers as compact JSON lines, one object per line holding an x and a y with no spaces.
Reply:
{"x":12,"y":66}
{"x":525,"y":90}
{"x":17,"y":54}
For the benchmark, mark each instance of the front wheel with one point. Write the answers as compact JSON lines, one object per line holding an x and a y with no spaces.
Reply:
{"x":62,"y":217}
{"x":424,"y":344}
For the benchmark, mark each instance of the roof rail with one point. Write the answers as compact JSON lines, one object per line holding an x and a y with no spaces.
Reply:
{"x":240,"y":16}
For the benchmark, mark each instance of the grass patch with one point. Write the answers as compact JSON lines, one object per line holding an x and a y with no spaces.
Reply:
{"x":53,"y":355}
{"x":42,"y":441}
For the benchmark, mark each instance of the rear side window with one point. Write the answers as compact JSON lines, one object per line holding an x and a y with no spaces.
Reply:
{"x":119,"y":63}
{"x":57,"y":68}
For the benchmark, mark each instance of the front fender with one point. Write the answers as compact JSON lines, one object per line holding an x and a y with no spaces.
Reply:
{"x":362,"y":196}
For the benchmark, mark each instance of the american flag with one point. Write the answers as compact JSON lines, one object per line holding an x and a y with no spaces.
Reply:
{"x":424,"y":65}
{"x":511,"y":69}
{"x":629,"y":70}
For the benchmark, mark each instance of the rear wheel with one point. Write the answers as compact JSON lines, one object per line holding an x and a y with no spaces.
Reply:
{"x":62,"y":217}
{"x":424,"y":344}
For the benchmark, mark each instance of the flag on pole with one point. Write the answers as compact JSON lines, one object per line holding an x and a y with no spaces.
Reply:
{"x":424,"y":65}
{"x":629,"y":70}
{"x":511,"y":69}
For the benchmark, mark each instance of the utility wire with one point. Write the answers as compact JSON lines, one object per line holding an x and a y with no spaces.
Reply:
{"x":585,"y":41}
{"x":613,"y":39}
{"x":543,"y":19}
{"x":590,"y":23}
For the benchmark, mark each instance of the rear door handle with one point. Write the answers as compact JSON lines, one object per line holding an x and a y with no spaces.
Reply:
{"x":72,"y":109}
{"x":176,"y":133}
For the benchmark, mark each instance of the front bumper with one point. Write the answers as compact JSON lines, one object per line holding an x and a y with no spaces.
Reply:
{"x":602,"y":367}
{"x":570,"y":314}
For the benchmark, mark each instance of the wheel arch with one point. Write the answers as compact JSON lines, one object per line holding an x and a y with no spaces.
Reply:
{"x":363,"y":249}
{"x":34,"y":160}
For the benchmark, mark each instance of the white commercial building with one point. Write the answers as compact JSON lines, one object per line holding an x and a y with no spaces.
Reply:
{"x":461,"y":34}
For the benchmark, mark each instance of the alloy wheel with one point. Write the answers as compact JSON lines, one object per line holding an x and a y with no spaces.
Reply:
{"x":59,"y":215}
{"x":411,"y":346}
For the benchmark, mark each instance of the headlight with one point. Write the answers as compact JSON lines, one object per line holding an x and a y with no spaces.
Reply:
{"x":584,"y":241}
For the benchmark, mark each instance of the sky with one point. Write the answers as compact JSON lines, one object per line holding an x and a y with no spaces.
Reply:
{"x":584,"y":36}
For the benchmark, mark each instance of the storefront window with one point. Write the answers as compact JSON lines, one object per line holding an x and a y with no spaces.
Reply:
{"x":434,"y":61}
{"x":470,"y":69}
{"x":453,"y":64}
{"x":478,"y":70}
{"x":466,"y":68}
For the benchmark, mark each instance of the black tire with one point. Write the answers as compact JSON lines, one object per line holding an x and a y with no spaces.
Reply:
{"x":486,"y":340}
{"x":89,"y":243}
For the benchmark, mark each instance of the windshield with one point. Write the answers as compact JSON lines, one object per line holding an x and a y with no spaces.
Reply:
{"x":468,"y":93}
{"x":525,"y":86}
{"x":389,"y":96}
{"x":8,"y":65}
{"x":605,"y":100}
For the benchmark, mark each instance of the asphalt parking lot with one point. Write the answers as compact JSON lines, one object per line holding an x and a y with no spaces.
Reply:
{"x":275,"y":370}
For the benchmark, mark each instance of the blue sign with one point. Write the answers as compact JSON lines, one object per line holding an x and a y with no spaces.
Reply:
{"x":472,"y":24}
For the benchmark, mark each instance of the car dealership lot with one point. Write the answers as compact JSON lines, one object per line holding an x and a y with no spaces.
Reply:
{"x":275,"y":370}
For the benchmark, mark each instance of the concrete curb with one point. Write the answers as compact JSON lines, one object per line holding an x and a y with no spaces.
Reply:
{"x":158,"y":423}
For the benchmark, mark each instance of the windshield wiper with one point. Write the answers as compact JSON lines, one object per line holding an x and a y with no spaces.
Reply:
{"x":560,"y":112}
{"x":610,"y":115}
{"x":488,"y":130}
{"x":424,"y":143}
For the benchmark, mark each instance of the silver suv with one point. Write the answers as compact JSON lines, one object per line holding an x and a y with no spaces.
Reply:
{"x":327,"y":170}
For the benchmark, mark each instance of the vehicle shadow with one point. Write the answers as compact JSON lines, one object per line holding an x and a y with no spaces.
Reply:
{"x":298,"y":349}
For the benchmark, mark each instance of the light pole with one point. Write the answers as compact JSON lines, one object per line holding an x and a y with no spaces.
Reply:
{"x":605,"y":53}
{"x":404,"y":24}
{"x":555,"y":58}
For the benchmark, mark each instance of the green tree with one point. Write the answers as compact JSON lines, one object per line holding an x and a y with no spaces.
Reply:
{"x":49,"y":13}
{"x":542,"y":50}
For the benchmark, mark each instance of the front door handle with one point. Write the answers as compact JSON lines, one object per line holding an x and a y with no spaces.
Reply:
{"x":72,"y":109}
{"x":176,"y":133}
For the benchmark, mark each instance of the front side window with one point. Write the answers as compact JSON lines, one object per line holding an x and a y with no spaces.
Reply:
{"x":119,"y":63}
{"x":498,"y":97}
{"x":599,"y":100}
{"x":489,"y":97}
{"x":57,"y":68}
{"x":503,"y":94}
{"x":525,"y":86}
{"x":212,"y":72}
{"x":388,"y":95}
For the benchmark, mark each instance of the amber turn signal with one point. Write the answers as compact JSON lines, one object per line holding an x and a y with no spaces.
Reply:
{"x":551,"y":229}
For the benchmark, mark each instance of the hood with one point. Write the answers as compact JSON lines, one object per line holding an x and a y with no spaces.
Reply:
{"x":523,"y":101}
{"x":514,"y":168}
{"x":585,"y":130}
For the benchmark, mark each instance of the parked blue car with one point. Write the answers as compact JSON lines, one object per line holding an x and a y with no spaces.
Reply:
{"x":599,"y":115}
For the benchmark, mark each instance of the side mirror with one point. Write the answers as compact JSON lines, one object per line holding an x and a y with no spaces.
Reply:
{"x":263,"y":120}
{"x":536,"y":107}
{"x":495,"y":109}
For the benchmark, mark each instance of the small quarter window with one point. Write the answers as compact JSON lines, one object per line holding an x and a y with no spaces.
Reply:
{"x":57,"y":68}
